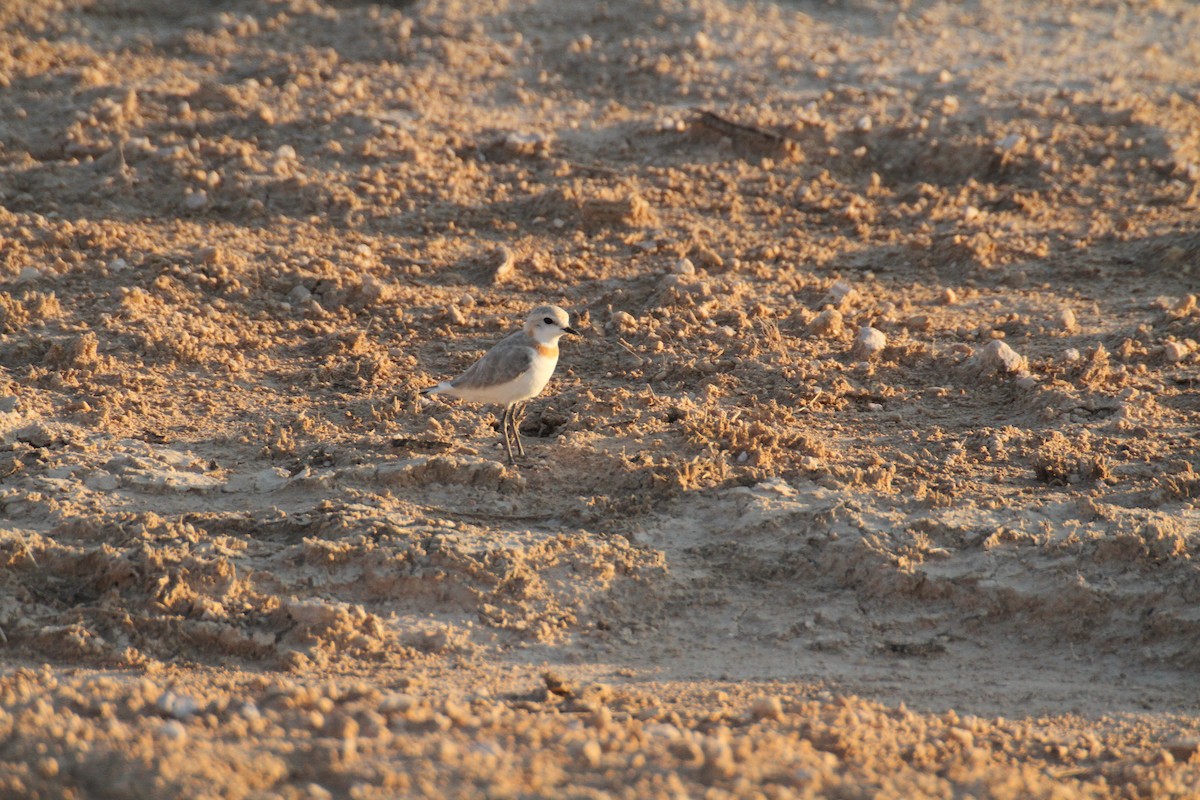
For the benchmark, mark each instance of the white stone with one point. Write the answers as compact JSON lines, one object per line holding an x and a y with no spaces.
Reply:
{"x":179,"y":706}
{"x":196,"y":200}
{"x":1175,"y":351}
{"x":998,"y":357}
{"x":868,"y":343}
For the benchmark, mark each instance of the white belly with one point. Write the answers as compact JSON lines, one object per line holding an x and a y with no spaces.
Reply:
{"x":525,"y":386}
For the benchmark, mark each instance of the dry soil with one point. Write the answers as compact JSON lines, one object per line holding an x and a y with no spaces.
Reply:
{"x":873,"y":475}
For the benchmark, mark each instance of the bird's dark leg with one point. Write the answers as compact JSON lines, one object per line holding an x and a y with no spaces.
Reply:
{"x":505,"y":418}
{"x":517,"y":414}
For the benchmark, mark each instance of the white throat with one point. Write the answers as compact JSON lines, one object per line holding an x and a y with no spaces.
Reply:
{"x":545,"y":335}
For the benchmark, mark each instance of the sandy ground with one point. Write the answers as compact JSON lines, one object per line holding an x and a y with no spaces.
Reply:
{"x":874,"y":473}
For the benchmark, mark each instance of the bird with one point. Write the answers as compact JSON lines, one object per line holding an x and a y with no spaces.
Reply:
{"x":514,"y":371}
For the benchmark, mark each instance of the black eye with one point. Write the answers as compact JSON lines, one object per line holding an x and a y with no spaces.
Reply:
{"x":548,"y":321}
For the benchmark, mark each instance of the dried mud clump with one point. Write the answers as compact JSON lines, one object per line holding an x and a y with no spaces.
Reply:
{"x":1060,"y":461}
{"x":1179,"y":482}
{"x":30,"y":309}
{"x":617,"y":210}
{"x":452,"y":470}
{"x":79,"y":353}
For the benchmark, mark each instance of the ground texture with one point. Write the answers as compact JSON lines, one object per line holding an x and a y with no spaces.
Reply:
{"x":874,"y":473}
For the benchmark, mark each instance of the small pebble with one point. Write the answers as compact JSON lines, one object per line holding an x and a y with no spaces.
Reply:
{"x":1066,"y":320}
{"x":827,"y":323}
{"x":179,"y":706}
{"x":868,"y":343}
{"x":315,"y":791}
{"x":997,"y":356}
{"x":590,"y":753}
{"x":767,"y":708}
{"x":196,"y":200}
{"x":1175,"y":351}
{"x":1010,"y":143}
{"x":624,"y":320}
{"x":840,"y":294}
{"x":684,"y":266}
{"x":173,"y":729}
{"x":299,"y":294}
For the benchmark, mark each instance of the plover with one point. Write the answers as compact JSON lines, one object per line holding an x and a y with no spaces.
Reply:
{"x":514,"y":371}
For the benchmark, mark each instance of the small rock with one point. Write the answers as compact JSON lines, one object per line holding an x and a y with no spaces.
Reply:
{"x":706,"y":257}
{"x":839,"y":295}
{"x":1071,"y":355}
{"x":456,"y":316}
{"x":1066,"y":320}
{"x":827,"y":323}
{"x":37,"y":435}
{"x":195,"y":200}
{"x":179,"y":706}
{"x":949,"y":297}
{"x":590,"y":753}
{"x":997,"y":357}
{"x":961,"y":735}
{"x":624,"y":320}
{"x":1175,"y":351}
{"x":1184,"y":306}
{"x":918,"y":322}
{"x":868,"y":343}
{"x":1011,"y":143}
{"x":29,"y":275}
{"x":299,"y":294}
{"x":8,"y":404}
{"x":863,"y":125}
{"x":766,"y":708}
{"x":315,"y":791}
{"x":684,"y":266}
{"x":173,"y":729}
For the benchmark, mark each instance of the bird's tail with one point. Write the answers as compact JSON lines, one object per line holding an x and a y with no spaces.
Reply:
{"x":441,"y":387}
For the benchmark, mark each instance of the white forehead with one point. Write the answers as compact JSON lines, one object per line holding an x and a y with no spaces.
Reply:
{"x":560,"y":317}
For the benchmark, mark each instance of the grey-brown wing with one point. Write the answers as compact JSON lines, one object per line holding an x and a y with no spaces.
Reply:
{"x":501,"y":364}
